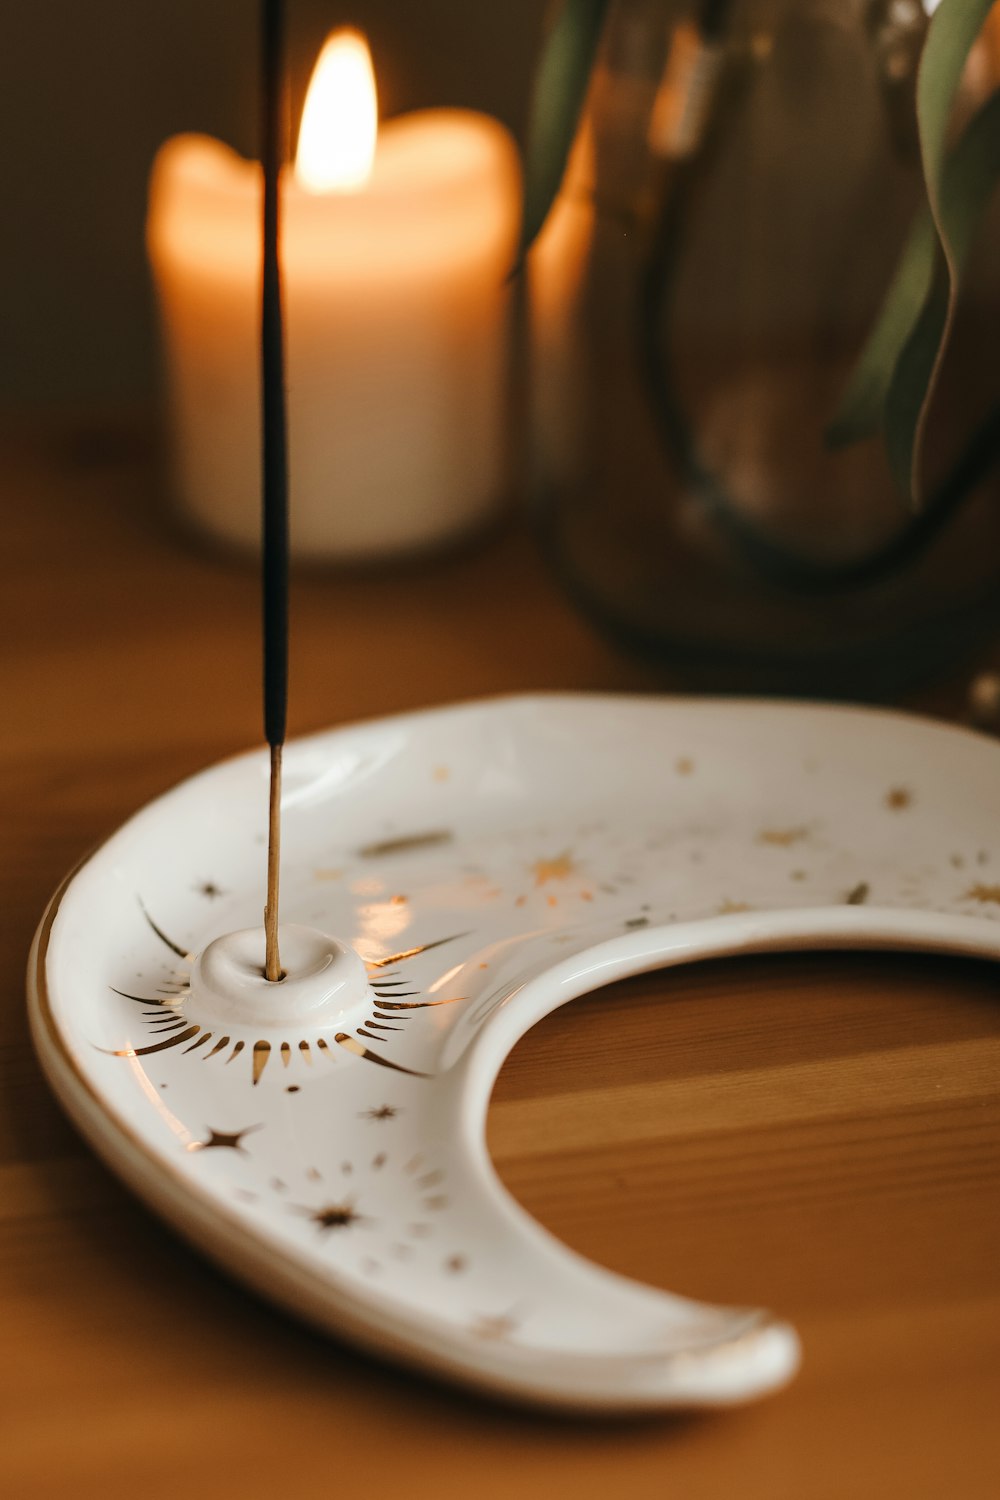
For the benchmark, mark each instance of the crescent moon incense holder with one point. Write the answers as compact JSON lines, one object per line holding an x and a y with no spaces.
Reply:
{"x":324,"y":1138}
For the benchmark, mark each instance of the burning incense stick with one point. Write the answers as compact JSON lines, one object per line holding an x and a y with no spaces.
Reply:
{"x":274,"y":461}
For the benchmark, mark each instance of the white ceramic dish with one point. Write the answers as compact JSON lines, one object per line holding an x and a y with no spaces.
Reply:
{"x":488,"y":863}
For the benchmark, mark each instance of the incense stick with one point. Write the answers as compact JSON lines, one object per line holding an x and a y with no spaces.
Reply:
{"x":272,"y":963}
{"x":274,"y":461}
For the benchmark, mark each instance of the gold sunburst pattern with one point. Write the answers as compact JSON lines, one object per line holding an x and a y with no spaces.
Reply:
{"x":393,"y":1001}
{"x":374,"y":1213}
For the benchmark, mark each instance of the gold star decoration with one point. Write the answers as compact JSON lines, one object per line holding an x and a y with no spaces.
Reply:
{"x":336,"y":1216}
{"x":383,"y":1112}
{"x":559,"y":867}
{"x":224,"y":1140}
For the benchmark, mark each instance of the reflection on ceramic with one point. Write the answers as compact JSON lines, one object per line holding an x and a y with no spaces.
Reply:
{"x":324,"y":1139}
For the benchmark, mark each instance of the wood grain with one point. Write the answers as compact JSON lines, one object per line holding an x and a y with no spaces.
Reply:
{"x":818,"y":1134}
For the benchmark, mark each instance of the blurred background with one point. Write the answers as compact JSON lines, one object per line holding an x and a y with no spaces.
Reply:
{"x":695,"y":313}
{"x":89,"y":92}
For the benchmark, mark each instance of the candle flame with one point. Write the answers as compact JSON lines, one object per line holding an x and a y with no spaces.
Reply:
{"x":340,"y":119}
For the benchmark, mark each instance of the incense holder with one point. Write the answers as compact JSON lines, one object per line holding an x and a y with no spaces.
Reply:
{"x":324,"y":1138}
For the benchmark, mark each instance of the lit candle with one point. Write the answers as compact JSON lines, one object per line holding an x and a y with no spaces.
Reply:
{"x":397,"y":242}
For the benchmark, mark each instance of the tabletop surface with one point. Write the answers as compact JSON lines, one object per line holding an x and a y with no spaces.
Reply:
{"x":828,"y":1144}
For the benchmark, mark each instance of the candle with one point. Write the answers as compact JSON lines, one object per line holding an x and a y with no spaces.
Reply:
{"x":396,"y":244}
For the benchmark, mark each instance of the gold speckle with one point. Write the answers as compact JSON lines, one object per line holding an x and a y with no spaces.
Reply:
{"x":559,"y":867}
{"x":441,"y":773}
{"x":728,"y":907}
{"x":684,"y":766}
{"x":455,"y":1264}
{"x":493,"y":1329}
{"x":553,"y":900}
{"x":209,"y":889}
{"x":398,"y":900}
{"x":859,"y":895}
{"x":800,"y":875}
{"x":783,"y":838}
{"x":984,"y":893}
{"x":405,"y":844}
{"x":897,"y":798}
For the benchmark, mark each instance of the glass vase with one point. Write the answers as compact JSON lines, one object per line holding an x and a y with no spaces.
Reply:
{"x":742,"y":183}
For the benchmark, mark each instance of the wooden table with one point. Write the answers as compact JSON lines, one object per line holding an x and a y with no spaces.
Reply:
{"x":827,"y":1142}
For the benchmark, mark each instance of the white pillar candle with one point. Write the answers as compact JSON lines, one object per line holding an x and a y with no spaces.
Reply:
{"x":395,"y":257}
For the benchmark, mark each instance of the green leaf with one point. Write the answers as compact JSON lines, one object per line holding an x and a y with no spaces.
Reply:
{"x":560,"y":89}
{"x":859,"y":414}
{"x":969,"y":175}
{"x":894,"y":379}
